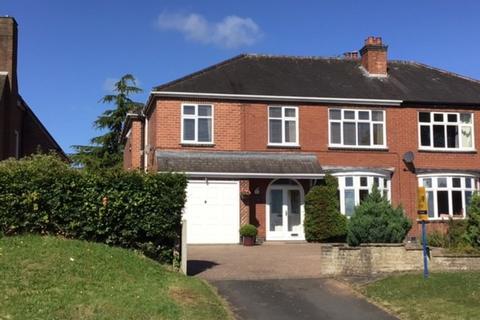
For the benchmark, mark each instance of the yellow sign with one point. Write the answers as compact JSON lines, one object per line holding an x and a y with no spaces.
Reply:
{"x":422,"y":206}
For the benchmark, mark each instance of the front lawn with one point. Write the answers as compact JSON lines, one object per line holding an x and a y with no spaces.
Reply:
{"x":442,"y":296}
{"x":54,"y":278}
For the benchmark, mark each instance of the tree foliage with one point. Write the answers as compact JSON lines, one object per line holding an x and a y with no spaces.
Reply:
{"x":323,"y":220}
{"x":106,"y":150}
{"x":375,"y":220}
{"x":473,"y":221}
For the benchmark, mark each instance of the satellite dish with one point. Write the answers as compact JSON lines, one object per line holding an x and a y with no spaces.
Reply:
{"x":408,"y":157}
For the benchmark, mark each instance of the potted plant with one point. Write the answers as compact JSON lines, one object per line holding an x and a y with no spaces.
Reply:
{"x":248,"y":233}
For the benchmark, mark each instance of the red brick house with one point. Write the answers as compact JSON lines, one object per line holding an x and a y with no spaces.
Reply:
{"x":21,"y":132}
{"x":255,"y":132}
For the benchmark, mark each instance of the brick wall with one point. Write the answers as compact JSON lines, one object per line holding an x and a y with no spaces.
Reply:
{"x":132,"y":155}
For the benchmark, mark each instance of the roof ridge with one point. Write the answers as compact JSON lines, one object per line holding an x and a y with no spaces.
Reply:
{"x":262,"y":55}
{"x":196,"y":73}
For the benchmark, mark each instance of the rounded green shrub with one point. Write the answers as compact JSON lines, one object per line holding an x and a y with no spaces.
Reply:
{"x":323,"y":220}
{"x":375,"y":220}
{"x":248,"y":230}
{"x":473,"y":221}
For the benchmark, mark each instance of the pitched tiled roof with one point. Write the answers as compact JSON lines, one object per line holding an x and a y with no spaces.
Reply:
{"x":238,"y":162}
{"x":328,"y":77}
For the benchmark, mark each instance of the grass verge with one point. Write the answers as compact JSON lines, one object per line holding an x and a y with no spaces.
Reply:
{"x":54,"y":278}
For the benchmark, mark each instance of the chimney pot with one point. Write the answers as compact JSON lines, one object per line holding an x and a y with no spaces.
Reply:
{"x":351,"y":55}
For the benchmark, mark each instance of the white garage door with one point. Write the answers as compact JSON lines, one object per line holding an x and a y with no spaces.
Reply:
{"x":212,"y":212}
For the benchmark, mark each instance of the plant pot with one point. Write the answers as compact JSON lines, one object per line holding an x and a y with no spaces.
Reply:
{"x":248,"y":241}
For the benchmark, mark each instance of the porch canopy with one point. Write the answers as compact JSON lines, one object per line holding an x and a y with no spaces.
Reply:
{"x":240,"y":164}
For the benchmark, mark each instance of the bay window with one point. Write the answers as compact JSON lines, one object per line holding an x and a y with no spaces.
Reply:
{"x":357,"y":128}
{"x":448,"y":196}
{"x":354,"y":188}
{"x":445,"y":130}
{"x":283,"y":126}
{"x":197,"y":123}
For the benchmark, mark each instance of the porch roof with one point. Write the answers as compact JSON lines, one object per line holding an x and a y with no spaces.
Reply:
{"x":240,"y":163}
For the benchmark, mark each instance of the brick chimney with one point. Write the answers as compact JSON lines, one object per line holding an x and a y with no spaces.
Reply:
{"x":8,"y":49}
{"x":374,"y":56}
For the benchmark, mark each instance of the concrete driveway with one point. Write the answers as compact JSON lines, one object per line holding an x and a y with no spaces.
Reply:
{"x":278,"y":281}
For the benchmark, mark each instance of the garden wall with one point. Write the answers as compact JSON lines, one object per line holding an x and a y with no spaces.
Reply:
{"x":370,"y":259}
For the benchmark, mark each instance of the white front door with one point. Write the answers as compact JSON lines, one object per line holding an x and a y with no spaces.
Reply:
{"x":285,"y":213}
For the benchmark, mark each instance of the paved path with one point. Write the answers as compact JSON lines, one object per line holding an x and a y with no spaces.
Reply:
{"x":296,"y":299}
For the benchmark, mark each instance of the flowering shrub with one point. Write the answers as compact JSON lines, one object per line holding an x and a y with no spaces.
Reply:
{"x":41,"y":194}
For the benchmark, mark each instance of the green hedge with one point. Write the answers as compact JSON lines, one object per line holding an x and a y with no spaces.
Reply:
{"x":41,"y":194}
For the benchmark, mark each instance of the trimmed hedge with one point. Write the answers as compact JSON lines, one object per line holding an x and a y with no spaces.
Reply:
{"x":41,"y":194}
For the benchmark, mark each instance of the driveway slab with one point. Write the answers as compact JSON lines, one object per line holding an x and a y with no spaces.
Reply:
{"x":297,"y":299}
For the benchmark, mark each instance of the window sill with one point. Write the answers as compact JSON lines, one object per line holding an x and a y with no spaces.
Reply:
{"x":443,"y":220}
{"x":195,"y":144}
{"x":284,"y":146}
{"x":356,"y":148}
{"x":447,"y":150}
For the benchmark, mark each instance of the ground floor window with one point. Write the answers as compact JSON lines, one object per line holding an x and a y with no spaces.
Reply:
{"x":448,"y":196}
{"x":353,"y":188}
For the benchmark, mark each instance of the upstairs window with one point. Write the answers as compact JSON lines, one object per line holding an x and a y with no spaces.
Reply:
{"x":283,"y":126}
{"x":357,"y":128}
{"x":446,"y":130}
{"x":197,"y":123}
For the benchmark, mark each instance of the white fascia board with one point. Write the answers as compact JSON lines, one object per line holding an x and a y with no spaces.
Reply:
{"x":252,"y":175}
{"x":254,"y":97}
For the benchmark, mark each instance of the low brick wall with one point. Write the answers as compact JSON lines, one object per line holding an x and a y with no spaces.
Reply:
{"x":369,"y":259}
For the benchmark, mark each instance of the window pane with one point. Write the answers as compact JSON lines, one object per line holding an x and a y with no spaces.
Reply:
{"x":377,"y":115}
{"x":430,"y":204}
{"x":466,"y":118}
{"x":456,"y":182}
{"x":468,"y":183}
{"x":188,"y":109}
{"x":452,"y":136}
{"x":290,"y":131}
{"x":364,"y":134}
{"x":468,"y":199}
{"x":204,"y":130}
{"x":349,"y":133}
{"x":276,"y":210}
{"x":376,"y":181}
{"x":442,"y":202}
{"x":425,"y":135}
{"x":438,"y":117}
{"x":349,"y":202}
{"x":385,"y":183}
{"x":290,"y":112}
{"x":335,"y":132}
{"x":204,"y":110}
{"x":363,"y":195}
{"x":424,"y":117}
{"x":349,"y":114}
{"x":349,"y":181}
{"x":457,"y":205}
{"x":452,"y":118}
{"x":364,"y":115}
{"x":439,"y":136}
{"x":466,"y":137}
{"x":363,"y":181}
{"x":442,"y":182}
{"x":276,"y":131}
{"x":189,"y":129}
{"x":427,"y":183}
{"x":378,"y":134}
{"x":275,"y":112}
{"x":335,"y":114}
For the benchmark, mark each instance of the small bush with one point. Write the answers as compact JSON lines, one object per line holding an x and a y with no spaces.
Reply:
{"x":323,"y":220}
{"x":437,"y":239}
{"x":375,"y":220}
{"x":473,"y":221}
{"x":41,"y":194}
{"x":248,"y":230}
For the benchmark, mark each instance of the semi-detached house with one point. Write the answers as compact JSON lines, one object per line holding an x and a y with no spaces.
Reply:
{"x":255,"y":133}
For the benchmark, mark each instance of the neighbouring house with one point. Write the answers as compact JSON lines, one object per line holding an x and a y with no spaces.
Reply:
{"x":21,"y":133}
{"x":255,"y":133}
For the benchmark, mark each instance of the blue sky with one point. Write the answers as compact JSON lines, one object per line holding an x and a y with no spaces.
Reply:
{"x":70,"y":52}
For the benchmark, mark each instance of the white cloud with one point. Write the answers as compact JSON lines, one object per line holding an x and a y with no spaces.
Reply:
{"x":231,"y":32}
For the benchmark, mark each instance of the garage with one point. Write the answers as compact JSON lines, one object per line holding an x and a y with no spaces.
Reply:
{"x":212,"y":212}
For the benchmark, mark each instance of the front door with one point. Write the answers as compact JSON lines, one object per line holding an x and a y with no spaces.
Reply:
{"x":285,"y":216}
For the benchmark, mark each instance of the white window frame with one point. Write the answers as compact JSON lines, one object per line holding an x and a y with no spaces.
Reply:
{"x":284,"y":118}
{"x":356,"y":121}
{"x":196,"y":117}
{"x":356,"y":175}
{"x":445,"y":123}
{"x":449,"y":188}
